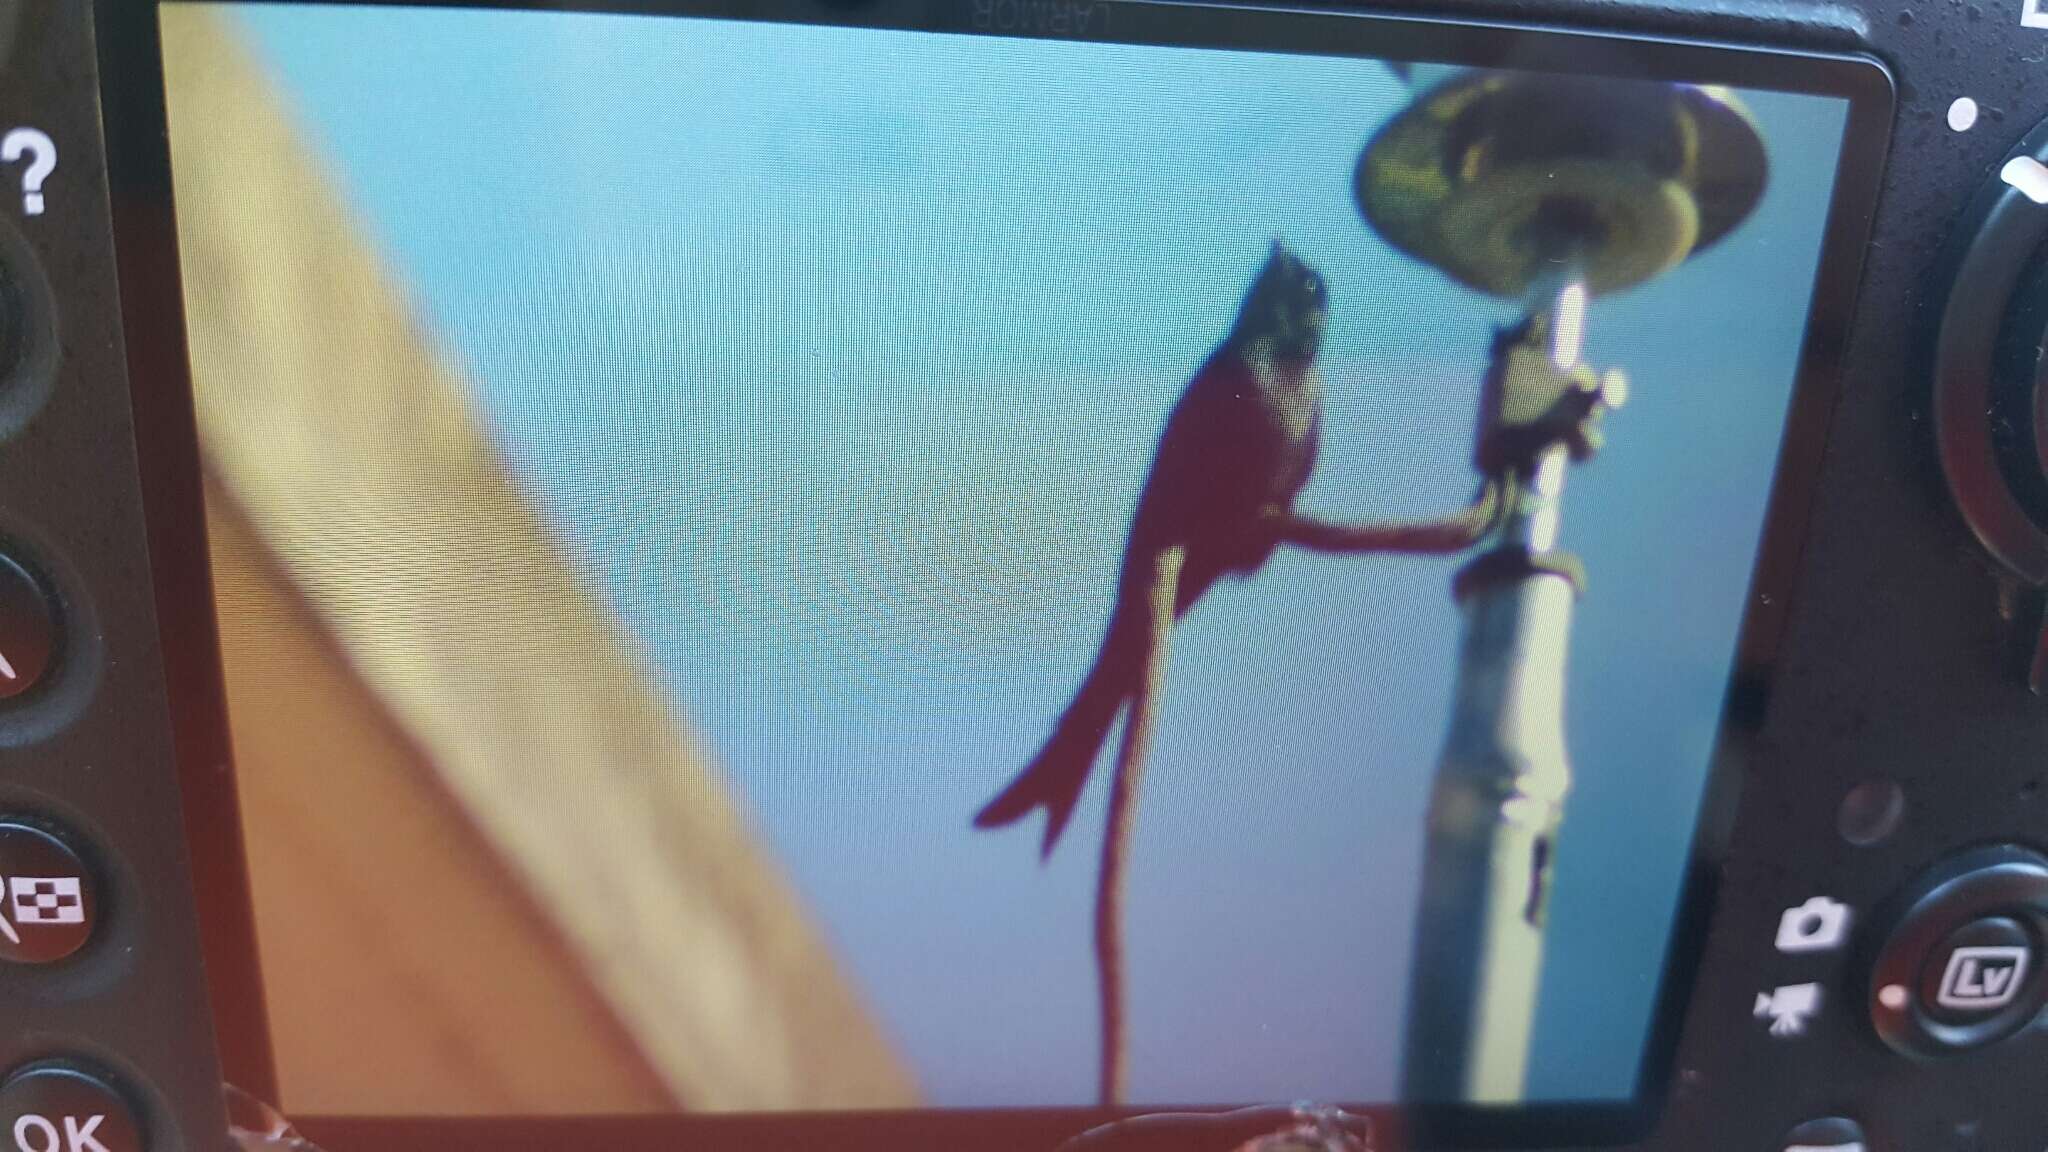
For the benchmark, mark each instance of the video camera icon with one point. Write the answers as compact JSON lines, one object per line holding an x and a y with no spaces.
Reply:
{"x":1790,"y":1009}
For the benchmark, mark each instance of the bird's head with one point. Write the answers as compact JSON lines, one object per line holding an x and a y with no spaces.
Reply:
{"x":1287,"y":305}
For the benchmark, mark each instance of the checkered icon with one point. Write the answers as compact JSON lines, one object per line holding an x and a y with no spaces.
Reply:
{"x":47,"y":899}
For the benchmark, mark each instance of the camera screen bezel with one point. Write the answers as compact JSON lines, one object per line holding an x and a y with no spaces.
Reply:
{"x":152,"y":315}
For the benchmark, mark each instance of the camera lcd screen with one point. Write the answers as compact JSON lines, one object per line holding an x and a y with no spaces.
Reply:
{"x":726,"y":530}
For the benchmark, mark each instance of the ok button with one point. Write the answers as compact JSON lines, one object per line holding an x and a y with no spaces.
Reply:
{"x":47,"y":1108}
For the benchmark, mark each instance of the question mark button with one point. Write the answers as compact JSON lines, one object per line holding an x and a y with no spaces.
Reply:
{"x":42,"y":154}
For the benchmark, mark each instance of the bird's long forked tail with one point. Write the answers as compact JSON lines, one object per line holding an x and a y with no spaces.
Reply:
{"x":1129,"y":668}
{"x":1054,"y":778}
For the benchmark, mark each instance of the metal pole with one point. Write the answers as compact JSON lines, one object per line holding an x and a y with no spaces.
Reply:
{"x":1498,"y":797}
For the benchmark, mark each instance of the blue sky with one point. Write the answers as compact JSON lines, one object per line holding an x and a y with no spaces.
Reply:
{"x":836,"y":359}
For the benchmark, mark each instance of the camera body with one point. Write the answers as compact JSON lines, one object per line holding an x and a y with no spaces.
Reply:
{"x":1870,"y":973}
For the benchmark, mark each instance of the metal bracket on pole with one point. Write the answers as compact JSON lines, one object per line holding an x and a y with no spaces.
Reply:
{"x":1502,"y":780}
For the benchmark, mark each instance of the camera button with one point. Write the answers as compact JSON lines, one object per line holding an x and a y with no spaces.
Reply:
{"x":50,"y":1108}
{"x":1819,"y":925}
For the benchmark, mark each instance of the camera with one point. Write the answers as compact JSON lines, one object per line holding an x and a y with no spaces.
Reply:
{"x":1022,"y":574}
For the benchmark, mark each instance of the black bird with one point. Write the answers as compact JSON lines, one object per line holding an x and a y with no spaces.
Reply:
{"x":1237,"y":449}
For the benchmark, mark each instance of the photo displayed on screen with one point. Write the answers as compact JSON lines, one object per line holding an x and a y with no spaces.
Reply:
{"x":782,"y":567}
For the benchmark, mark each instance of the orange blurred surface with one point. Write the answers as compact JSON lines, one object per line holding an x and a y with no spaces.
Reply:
{"x":406,"y":971}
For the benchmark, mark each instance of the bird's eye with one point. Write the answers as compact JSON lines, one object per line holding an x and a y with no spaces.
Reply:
{"x":1312,"y":284}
